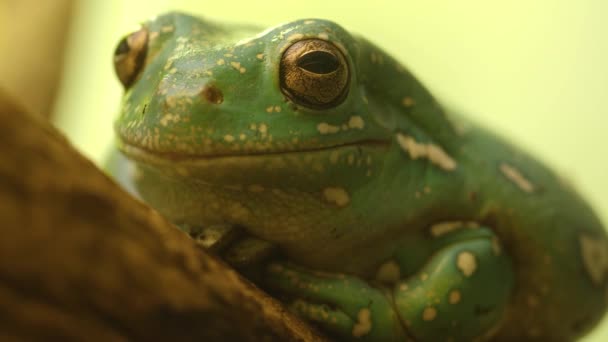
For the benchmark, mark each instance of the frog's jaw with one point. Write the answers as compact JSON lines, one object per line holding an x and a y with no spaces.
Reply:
{"x":304,"y":169}
{"x":296,"y":200}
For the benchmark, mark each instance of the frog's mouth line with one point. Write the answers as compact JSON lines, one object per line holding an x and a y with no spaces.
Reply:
{"x":146,"y":155}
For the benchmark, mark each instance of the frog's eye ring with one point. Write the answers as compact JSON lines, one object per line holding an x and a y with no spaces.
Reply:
{"x":314,"y":74}
{"x":130,"y":55}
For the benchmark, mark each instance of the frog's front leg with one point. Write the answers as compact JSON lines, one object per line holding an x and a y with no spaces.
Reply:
{"x":460,"y":293}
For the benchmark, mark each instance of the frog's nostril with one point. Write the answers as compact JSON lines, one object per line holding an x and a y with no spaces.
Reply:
{"x":212,"y":94}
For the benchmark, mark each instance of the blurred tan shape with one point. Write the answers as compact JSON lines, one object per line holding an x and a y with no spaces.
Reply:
{"x":32,"y":40}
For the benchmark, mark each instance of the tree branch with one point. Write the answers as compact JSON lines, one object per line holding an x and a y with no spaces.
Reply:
{"x":81,"y":259}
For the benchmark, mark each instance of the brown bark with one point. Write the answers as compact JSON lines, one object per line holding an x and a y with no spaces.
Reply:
{"x":80,"y":259}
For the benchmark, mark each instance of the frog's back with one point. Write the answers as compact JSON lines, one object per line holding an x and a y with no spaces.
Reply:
{"x":557,"y":244}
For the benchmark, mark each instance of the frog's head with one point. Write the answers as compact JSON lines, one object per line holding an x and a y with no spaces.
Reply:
{"x":303,"y":108}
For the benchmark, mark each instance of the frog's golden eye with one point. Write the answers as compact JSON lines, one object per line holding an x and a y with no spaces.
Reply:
{"x":314,"y":74}
{"x":130,"y":55}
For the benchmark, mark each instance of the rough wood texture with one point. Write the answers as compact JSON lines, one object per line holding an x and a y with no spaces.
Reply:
{"x":80,"y":259}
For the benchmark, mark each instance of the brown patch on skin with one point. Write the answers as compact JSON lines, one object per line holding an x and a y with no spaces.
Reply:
{"x":212,"y":94}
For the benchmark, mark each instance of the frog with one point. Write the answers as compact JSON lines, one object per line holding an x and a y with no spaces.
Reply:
{"x":391,"y":217}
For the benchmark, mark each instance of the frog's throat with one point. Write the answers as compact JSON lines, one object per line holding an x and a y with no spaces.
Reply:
{"x":152,"y":157}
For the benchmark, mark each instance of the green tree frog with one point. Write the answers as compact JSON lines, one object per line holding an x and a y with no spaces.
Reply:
{"x":394,"y":219}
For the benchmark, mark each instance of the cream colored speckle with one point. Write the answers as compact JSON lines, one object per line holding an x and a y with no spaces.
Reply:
{"x":308,"y":22}
{"x":242,"y":136}
{"x":221,"y":61}
{"x":403,"y":287}
{"x":466,"y":263}
{"x":323,"y":36}
{"x":388,"y":273}
{"x":454,"y":297}
{"x":269,"y":109}
{"x":335,"y":195}
{"x":356,"y":121}
{"x":242,"y":70}
{"x":295,"y":36}
{"x":434,"y":153}
{"x":594,"y":252}
{"x":516,"y":177}
{"x":408,"y":101}
{"x":444,"y":228}
{"x":253,"y":127}
{"x":228,"y":138}
{"x":429,"y":314}
{"x":262,"y":128}
{"x":277,"y":109}
{"x":325,"y":128}
{"x":260,"y":56}
{"x":364,"y":323}
{"x":168,"y":118}
{"x":167,"y":28}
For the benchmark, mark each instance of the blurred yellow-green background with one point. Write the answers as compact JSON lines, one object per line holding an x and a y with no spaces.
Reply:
{"x":534,"y":70}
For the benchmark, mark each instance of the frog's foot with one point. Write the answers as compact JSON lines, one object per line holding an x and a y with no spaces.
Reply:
{"x":459,"y":294}
{"x":343,"y":305}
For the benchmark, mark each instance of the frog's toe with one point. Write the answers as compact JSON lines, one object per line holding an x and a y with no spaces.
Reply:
{"x":332,"y":320}
{"x":344,"y":305}
{"x":339,"y":290}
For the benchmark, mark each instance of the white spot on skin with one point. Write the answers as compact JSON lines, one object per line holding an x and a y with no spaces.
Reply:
{"x":308,"y":22}
{"x":356,"y":122}
{"x":429,"y":314}
{"x":408,"y":101}
{"x":323,"y":36}
{"x":466,"y":263}
{"x":263,"y":129}
{"x":433,"y":153}
{"x":595,"y":257}
{"x":296,"y":36}
{"x":364,"y":323}
{"x":325,"y":128}
{"x":168,"y":28}
{"x":269,"y":109}
{"x":260,"y":56}
{"x":516,"y":177}
{"x":236,"y":65}
{"x":228,"y":138}
{"x":444,"y":228}
{"x":221,"y":61}
{"x":338,"y":196}
{"x":388,"y":273}
{"x":454,"y":297}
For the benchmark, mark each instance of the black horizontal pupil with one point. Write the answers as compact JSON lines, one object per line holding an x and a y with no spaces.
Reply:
{"x":319,"y":62}
{"x":122,"y":48}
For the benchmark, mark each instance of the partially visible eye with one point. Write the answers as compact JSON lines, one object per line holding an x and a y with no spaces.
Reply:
{"x":130,"y":55}
{"x":314,"y":73}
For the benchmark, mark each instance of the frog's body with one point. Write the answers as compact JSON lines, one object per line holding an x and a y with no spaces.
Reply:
{"x":406,"y":222}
